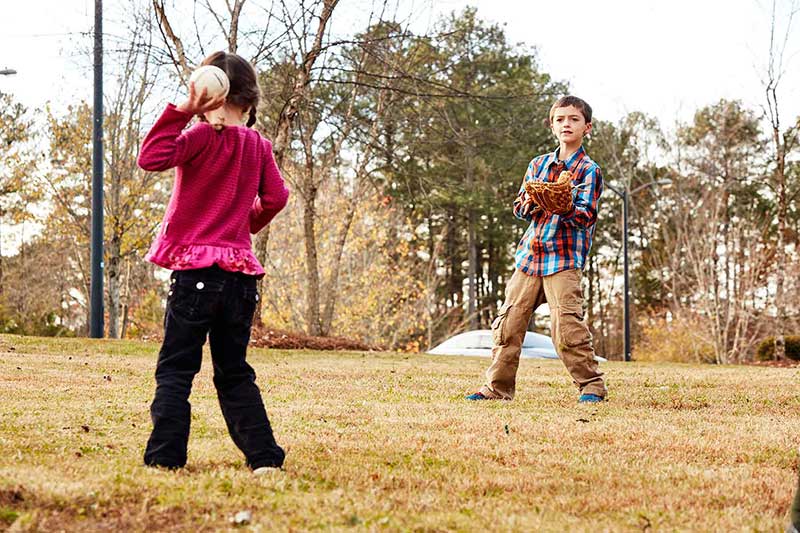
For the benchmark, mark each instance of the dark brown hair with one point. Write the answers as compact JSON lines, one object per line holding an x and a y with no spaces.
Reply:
{"x":244,"y":90}
{"x":580,"y":105}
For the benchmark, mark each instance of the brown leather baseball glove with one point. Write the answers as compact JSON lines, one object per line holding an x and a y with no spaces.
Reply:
{"x":552,"y":196}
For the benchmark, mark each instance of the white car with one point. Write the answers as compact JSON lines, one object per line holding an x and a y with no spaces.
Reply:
{"x":479,"y":343}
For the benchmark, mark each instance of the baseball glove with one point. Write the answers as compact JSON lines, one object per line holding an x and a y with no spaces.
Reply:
{"x":552,"y":196}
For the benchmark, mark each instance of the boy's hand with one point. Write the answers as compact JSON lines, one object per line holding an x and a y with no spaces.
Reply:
{"x":552,"y":197}
{"x":527,"y":206}
{"x":197,"y":104}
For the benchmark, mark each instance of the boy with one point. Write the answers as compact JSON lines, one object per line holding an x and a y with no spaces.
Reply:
{"x":549,"y":260}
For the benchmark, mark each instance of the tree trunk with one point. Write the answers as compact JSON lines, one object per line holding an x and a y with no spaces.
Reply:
{"x":113,"y":273}
{"x":472,"y":272}
{"x":472,"y":248}
{"x":313,"y":326}
{"x":281,"y":141}
{"x":452,"y":260}
{"x":261,"y":246}
{"x":780,"y":252}
{"x":780,"y":261}
{"x":331,"y":293}
{"x":602,"y":316}
{"x":126,"y":300}
{"x":481,"y":290}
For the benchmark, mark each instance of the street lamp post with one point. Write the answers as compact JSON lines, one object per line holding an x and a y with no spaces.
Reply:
{"x":96,"y":294}
{"x":626,"y":316}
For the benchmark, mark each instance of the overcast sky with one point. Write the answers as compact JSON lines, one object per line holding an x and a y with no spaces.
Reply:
{"x":663,"y":57}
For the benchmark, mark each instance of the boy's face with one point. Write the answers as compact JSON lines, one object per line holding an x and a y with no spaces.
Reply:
{"x":568,"y":125}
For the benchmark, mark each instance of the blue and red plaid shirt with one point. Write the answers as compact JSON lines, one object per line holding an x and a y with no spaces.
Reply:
{"x":553,"y":243}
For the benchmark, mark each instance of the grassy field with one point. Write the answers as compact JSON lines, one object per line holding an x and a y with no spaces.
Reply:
{"x":385,"y":442}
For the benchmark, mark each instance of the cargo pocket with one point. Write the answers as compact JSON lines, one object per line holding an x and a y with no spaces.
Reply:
{"x":573,"y":330}
{"x":499,"y":325}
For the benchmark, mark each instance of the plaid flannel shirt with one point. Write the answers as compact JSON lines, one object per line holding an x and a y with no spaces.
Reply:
{"x":553,"y":243}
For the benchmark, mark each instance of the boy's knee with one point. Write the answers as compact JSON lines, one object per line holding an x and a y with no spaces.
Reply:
{"x":510,"y":323}
{"x":572,"y":330}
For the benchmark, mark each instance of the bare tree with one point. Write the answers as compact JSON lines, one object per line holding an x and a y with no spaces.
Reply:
{"x":728,"y":308}
{"x":133,"y":197}
{"x":17,"y":163}
{"x":304,"y":48}
{"x":784,"y":141}
{"x":284,"y":129}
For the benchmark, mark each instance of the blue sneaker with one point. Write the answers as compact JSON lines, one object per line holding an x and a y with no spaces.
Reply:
{"x":590,"y":398}
{"x":476,"y":396}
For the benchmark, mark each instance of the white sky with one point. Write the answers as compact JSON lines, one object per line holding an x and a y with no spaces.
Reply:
{"x":665,"y":58}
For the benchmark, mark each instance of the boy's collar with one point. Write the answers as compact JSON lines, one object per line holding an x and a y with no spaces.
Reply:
{"x":572,"y":159}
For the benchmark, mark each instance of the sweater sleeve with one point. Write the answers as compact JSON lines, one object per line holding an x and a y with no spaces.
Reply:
{"x":272,"y":193}
{"x":167,"y":145}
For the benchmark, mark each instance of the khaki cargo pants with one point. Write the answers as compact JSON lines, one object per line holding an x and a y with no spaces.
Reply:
{"x":571,"y":336}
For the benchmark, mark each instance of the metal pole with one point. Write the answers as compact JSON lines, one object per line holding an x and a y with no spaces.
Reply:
{"x":96,"y":305}
{"x":624,"y":194}
{"x":627,"y":311}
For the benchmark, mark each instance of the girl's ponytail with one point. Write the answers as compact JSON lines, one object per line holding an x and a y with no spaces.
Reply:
{"x":244,"y":91}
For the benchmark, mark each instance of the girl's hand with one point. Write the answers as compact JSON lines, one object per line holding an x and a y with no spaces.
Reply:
{"x":197,"y":104}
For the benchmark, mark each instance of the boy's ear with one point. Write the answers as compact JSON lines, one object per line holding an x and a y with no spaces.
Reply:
{"x":588,"y":128}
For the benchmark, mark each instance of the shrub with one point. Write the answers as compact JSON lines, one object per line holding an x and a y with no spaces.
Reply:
{"x":675,"y":341}
{"x":147,"y":319}
{"x":766,"y":349}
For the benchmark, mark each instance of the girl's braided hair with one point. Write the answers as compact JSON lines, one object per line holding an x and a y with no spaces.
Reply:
{"x":244,"y":91}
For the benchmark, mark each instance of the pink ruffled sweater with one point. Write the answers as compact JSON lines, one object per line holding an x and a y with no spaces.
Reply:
{"x":227,"y":186}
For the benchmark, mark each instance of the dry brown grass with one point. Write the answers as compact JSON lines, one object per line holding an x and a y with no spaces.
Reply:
{"x":386,"y":442}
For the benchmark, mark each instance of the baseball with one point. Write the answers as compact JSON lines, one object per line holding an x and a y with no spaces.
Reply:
{"x":211,"y":78}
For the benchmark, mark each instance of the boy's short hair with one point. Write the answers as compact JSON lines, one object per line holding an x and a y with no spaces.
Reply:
{"x":579,"y":103}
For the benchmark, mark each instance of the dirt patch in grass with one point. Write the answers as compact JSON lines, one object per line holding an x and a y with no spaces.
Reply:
{"x":128,"y":519}
{"x":786,"y":363}
{"x":88,"y":513}
{"x":288,"y":340}
{"x":280,"y":339}
{"x":11,"y":497}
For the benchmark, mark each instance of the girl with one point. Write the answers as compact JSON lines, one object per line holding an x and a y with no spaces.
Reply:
{"x":227,"y":186}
